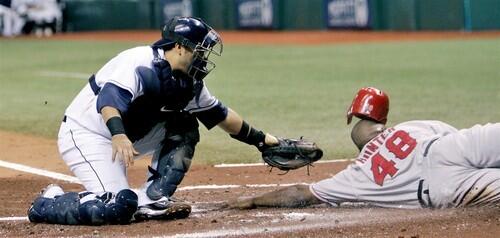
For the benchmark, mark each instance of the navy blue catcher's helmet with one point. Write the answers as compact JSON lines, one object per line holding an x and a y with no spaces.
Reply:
{"x":196,"y":35}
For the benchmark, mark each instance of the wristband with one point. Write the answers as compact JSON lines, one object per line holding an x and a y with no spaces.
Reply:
{"x":115,"y":126}
{"x":251,"y":136}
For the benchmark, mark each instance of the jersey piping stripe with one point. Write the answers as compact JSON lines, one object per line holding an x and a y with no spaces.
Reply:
{"x":93,"y":85}
{"x":74,"y":143}
{"x":199,"y":109}
{"x":426,"y":151}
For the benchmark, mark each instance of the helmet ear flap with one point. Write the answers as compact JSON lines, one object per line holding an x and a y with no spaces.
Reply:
{"x":369,"y":103}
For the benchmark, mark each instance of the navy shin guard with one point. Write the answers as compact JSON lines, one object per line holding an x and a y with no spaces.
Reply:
{"x":174,"y":162}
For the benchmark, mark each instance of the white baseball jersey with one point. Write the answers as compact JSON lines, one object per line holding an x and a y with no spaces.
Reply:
{"x":129,"y":72}
{"x":387,"y":171}
{"x":130,"y":83}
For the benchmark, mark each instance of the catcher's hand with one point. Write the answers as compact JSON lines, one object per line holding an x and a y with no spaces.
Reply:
{"x":292,"y":154}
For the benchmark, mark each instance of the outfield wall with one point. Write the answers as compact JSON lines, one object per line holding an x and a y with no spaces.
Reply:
{"x":406,"y":15}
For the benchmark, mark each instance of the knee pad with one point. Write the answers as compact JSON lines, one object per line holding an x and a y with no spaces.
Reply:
{"x":124,"y":207}
{"x":174,"y":162}
{"x":99,"y":210}
{"x":92,"y":208}
{"x":128,"y":198}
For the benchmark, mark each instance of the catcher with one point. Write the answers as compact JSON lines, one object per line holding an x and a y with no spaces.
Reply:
{"x":415,"y":164}
{"x":148,"y":100}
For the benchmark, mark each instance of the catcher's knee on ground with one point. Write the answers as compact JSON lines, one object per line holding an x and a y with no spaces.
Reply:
{"x":124,"y":207}
{"x":84,"y":209}
{"x":101,"y":211}
{"x":173,"y":163}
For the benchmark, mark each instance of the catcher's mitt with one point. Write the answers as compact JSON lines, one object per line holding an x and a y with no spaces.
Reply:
{"x":292,"y":154}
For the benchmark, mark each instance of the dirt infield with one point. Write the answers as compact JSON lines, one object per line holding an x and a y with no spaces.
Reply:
{"x":18,"y":188}
{"x":207,"y":220}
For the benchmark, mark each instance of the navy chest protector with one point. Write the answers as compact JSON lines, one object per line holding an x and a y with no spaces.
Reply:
{"x":176,"y":88}
{"x":166,"y":92}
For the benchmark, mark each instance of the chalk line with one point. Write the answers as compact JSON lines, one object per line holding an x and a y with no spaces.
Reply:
{"x":72,"y":179}
{"x":246,"y":231}
{"x":262,"y":164}
{"x":41,"y":172}
{"x":13,"y":218}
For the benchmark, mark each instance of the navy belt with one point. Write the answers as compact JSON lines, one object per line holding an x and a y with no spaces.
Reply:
{"x":421,"y":191}
{"x":93,"y":85}
{"x":421,"y":182}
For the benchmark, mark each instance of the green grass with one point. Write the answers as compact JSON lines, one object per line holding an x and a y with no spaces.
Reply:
{"x":288,"y":91}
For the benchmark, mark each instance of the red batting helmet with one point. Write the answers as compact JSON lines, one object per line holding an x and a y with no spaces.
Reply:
{"x":369,"y":103}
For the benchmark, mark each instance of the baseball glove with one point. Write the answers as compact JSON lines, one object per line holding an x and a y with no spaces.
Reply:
{"x":292,"y":154}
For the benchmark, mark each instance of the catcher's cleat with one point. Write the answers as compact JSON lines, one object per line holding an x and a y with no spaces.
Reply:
{"x":163,"y":210}
{"x":51,"y":191}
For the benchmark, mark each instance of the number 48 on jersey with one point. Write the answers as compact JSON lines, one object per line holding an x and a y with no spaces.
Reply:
{"x":400,"y":145}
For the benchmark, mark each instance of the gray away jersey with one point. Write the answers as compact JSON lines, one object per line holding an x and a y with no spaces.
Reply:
{"x":387,"y":171}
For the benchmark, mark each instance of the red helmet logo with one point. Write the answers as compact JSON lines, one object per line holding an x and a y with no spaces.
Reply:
{"x":369,"y":103}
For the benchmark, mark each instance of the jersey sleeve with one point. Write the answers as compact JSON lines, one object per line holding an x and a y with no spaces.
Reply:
{"x":119,"y":81}
{"x":209,"y":110}
{"x":121,"y":71}
{"x":336,"y":189}
{"x":113,"y":96}
{"x":353,"y":186}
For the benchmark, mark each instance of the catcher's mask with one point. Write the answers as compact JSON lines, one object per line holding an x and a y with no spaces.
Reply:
{"x":199,"y":37}
{"x":369,"y":103}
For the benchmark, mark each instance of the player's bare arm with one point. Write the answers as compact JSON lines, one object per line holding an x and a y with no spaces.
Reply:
{"x":292,"y":196}
{"x":122,"y":146}
{"x":234,"y":123}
